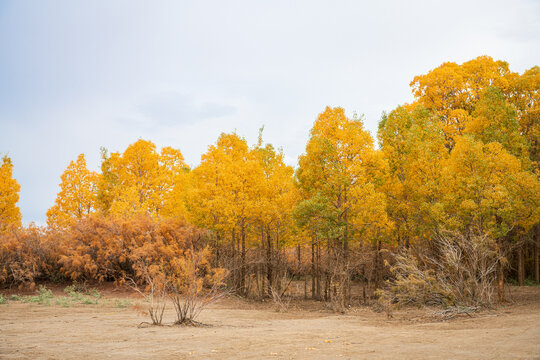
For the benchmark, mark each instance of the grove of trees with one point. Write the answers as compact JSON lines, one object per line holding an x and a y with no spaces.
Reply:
{"x":444,"y":204}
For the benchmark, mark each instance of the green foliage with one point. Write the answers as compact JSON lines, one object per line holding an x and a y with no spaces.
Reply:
{"x":122,"y":303}
{"x":43,"y":297}
{"x":80,"y":294}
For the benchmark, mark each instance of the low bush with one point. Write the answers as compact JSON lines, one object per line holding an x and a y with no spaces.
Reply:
{"x":461,"y":273}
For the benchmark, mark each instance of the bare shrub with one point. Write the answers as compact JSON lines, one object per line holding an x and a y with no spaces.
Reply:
{"x":155,"y":289}
{"x":194,"y":284}
{"x":278,"y":291}
{"x":462,"y":273}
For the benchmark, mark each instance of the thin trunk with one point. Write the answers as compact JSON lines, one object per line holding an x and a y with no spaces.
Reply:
{"x":278,"y":263}
{"x":269,"y":262}
{"x":299,"y":257}
{"x":313,"y":274}
{"x":500,"y":280}
{"x":521,"y":266}
{"x":243,"y":265}
{"x":318,"y":270}
{"x":347,"y":284}
{"x":234,"y":262}
{"x":217,"y":251}
{"x":364,"y":283}
{"x":536,"y":244}
{"x":536,"y":263}
{"x":305,"y":286}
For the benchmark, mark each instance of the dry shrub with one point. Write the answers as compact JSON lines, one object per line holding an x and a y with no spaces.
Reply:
{"x":281,"y":304}
{"x":25,"y":256}
{"x":462,"y":274}
{"x":194,"y":284}
{"x":155,"y":289}
{"x":108,"y":248}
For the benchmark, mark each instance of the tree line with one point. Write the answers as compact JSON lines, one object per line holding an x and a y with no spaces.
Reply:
{"x":454,"y":173}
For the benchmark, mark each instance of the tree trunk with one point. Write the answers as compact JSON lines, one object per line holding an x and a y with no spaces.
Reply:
{"x":234,"y":272}
{"x":377,"y":265}
{"x":347,"y":284}
{"x":319,"y":274}
{"x":243,"y":265}
{"x":269,"y":266}
{"x":277,"y":271}
{"x":536,"y":244}
{"x":521,"y":266}
{"x":500,"y":280}
{"x":217,"y":251}
{"x":313,"y":274}
{"x":364,"y":283}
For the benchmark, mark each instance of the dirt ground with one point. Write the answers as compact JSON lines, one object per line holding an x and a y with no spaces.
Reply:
{"x":252,"y":330}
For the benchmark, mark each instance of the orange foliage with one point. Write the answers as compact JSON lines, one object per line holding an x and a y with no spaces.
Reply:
{"x":110,"y":248}
{"x":26,"y":255}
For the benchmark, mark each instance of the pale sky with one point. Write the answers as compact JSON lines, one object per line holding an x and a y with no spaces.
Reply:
{"x":78,"y":75}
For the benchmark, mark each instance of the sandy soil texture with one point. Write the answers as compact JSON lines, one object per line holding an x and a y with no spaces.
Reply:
{"x":241,"y":330}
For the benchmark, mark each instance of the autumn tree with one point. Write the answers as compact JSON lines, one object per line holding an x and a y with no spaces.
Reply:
{"x":77,"y":196}
{"x":277,"y":199}
{"x":141,"y":180}
{"x":411,"y":141}
{"x":483,"y":98}
{"x":10,"y":215}
{"x":451,"y":91}
{"x":343,"y":171}
{"x":226,"y":194}
{"x":488,"y":192}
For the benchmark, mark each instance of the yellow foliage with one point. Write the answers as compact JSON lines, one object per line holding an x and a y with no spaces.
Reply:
{"x":77,"y":196}
{"x":10,"y":215}
{"x":143,"y":181}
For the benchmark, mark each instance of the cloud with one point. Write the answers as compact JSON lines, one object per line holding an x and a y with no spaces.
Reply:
{"x":173,"y":108}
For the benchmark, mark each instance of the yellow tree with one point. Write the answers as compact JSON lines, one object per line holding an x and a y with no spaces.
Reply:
{"x":340,"y":175}
{"x":525,"y":96}
{"x":225,"y":195}
{"x":77,"y":196}
{"x":411,"y":141}
{"x":487,"y":191}
{"x":141,"y":180}
{"x":484,"y":98}
{"x":495,"y":120}
{"x":277,"y":199}
{"x":451,"y":90}
{"x":10,"y":215}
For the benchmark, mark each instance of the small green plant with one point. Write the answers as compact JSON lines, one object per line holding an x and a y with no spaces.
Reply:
{"x":94,"y":293}
{"x":80,"y":294}
{"x":43,"y":297}
{"x":63,"y":301}
{"x":15,"y":297}
{"x":3,"y":299}
{"x":121,"y":303}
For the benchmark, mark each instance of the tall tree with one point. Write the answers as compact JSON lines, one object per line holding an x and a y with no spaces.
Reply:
{"x":141,"y":180}
{"x":343,"y":170}
{"x":10,"y":214}
{"x":451,"y":90}
{"x":487,"y":192}
{"x":77,"y":196}
{"x":226,"y":193}
{"x":277,"y":199}
{"x":410,"y":139}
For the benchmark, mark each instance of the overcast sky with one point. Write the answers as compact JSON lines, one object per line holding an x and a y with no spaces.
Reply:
{"x":77,"y":75}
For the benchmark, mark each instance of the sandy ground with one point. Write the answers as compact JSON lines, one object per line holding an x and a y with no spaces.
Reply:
{"x":242,"y":330}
